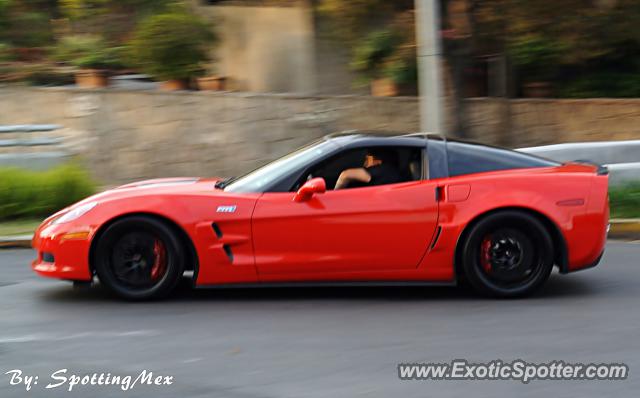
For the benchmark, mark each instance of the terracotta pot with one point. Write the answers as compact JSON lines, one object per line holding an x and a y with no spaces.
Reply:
{"x":388,"y":88}
{"x":174,"y":85}
{"x":537,"y":90}
{"x":384,"y":88}
{"x":92,"y":78}
{"x":212,"y":83}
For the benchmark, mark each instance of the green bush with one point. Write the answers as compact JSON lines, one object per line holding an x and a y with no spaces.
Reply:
{"x":625,"y":201}
{"x":29,"y":194}
{"x":601,"y":85}
{"x":536,"y":57}
{"x":36,"y":74}
{"x":370,"y":54}
{"x":4,"y":17}
{"x":45,"y":75}
{"x":87,"y":52}
{"x":402,"y":67}
{"x":386,"y":53}
{"x":5,"y":52}
{"x":172,"y":45}
{"x":29,"y":29}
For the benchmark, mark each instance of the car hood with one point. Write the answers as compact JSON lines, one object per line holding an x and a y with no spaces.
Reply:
{"x":161,"y":186}
{"x":164,"y":182}
{"x":156,"y":187}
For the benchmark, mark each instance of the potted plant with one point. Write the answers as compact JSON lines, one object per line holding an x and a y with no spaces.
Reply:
{"x":386,"y":61}
{"x":172,"y":47}
{"x":91,"y":56}
{"x":401,"y":70}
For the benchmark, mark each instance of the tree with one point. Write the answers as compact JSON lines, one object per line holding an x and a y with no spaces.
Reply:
{"x":4,"y":18}
{"x":542,"y":39}
{"x":25,"y":25}
{"x":586,"y":47}
{"x":113,"y":19}
{"x":352,"y":20}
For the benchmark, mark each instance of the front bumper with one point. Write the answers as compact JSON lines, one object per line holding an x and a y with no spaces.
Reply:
{"x":63,"y":252}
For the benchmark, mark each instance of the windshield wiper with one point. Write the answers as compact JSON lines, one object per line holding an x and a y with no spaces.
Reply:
{"x":222,"y":184}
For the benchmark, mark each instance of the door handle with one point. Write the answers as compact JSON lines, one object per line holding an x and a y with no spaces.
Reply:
{"x":439,"y":193}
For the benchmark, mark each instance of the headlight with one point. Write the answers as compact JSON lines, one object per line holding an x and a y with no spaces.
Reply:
{"x":75,"y":213}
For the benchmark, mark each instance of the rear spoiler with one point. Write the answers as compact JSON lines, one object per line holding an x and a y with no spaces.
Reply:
{"x":601,"y":170}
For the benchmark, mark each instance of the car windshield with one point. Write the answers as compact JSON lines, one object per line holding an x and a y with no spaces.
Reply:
{"x":258,"y":179}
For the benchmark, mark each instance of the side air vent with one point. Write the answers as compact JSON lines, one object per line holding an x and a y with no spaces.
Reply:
{"x":228,"y":252}
{"x":217,"y":230}
{"x":435,"y":238}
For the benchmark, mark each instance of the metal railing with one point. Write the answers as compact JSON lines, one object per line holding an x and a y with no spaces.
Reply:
{"x":30,"y":148}
{"x":622,"y":158}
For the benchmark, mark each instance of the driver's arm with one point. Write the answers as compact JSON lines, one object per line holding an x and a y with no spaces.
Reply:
{"x":359,"y":174}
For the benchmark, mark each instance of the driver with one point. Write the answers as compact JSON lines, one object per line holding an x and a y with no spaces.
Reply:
{"x":379,"y":168}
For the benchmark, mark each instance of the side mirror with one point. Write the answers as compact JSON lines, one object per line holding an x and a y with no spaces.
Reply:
{"x":310,"y":188}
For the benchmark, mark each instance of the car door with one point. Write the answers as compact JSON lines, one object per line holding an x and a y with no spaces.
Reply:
{"x":377,"y":228}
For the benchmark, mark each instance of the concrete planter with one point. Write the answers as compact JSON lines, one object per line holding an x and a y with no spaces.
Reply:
{"x":388,"y":88}
{"x":384,"y":88}
{"x":92,"y":78}
{"x":212,"y":83}
{"x":174,"y":85}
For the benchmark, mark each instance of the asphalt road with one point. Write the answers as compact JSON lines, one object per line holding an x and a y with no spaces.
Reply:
{"x":318,"y":342}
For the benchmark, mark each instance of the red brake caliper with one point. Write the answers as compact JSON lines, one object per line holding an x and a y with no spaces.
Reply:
{"x":485,"y":254}
{"x":160,"y":263}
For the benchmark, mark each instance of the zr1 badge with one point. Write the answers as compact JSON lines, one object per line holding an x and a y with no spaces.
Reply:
{"x":226,"y":209}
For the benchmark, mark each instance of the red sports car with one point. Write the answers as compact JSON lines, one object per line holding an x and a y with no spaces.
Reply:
{"x":351,"y":208}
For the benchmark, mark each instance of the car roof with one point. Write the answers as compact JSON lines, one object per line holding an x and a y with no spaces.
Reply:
{"x":374,"y":137}
{"x":382,"y":137}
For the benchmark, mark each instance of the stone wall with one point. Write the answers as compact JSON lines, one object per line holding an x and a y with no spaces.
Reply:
{"x":549,"y":121}
{"x":129,"y":135}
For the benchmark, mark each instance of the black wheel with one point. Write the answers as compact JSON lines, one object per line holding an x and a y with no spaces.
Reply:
{"x":507,"y":254}
{"x":139,"y":258}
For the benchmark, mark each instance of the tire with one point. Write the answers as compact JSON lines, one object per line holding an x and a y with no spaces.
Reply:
{"x":139,"y":258}
{"x":507,"y":254}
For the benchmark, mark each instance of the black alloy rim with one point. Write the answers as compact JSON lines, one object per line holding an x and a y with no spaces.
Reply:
{"x":139,"y":260}
{"x":508,"y":259}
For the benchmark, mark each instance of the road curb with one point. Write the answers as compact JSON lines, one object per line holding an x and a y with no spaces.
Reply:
{"x":626,"y":229}
{"x":13,"y":242}
{"x":623,"y":229}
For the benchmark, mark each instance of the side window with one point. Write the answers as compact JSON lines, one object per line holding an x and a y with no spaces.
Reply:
{"x":467,"y":158}
{"x":401,"y":164}
{"x":332,"y":168}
